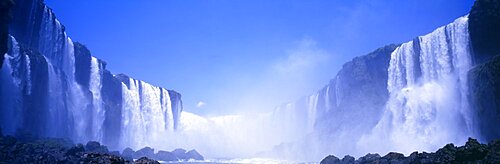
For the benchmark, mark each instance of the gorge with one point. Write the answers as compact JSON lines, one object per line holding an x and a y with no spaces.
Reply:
{"x":439,"y":88}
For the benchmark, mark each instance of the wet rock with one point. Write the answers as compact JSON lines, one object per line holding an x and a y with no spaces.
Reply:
{"x":330,"y":160}
{"x":102,"y":158}
{"x":128,"y":153}
{"x":348,"y":159}
{"x":472,"y":151}
{"x":144,"y":152}
{"x":165,"y":156}
{"x":74,"y":151}
{"x":181,"y":154}
{"x":369,"y":158}
{"x":193,"y":154}
{"x":145,"y":160}
{"x":94,"y":146}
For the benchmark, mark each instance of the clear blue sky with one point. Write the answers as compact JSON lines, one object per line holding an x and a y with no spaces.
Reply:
{"x":244,"y":55}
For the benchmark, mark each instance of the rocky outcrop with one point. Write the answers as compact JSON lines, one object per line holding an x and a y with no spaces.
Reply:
{"x":82,"y":64}
{"x":484,"y":78}
{"x":471,"y":152}
{"x":484,"y":84}
{"x":145,"y":160}
{"x":50,"y":150}
{"x":484,"y":22}
{"x":161,"y":155}
{"x":94,"y":146}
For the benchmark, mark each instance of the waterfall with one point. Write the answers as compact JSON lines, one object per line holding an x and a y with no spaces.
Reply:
{"x":312,"y":111}
{"x":95,"y":86}
{"x":427,"y":84}
{"x":147,"y":114}
{"x":327,"y":99}
{"x":10,"y":92}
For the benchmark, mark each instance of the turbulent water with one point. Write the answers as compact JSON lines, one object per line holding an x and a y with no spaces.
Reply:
{"x":146,"y":110}
{"x":428,"y":105}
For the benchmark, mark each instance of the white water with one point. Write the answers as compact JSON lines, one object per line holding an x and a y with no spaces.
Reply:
{"x":312,"y":103}
{"x":95,"y":86}
{"x":428,"y":106}
{"x":147,"y":116}
{"x":10,"y":86}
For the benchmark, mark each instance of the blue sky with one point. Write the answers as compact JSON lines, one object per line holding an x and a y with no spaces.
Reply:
{"x":234,"y":56}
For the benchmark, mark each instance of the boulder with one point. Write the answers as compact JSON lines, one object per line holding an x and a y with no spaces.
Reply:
{"x":165,"y":156}
{"x":180,"y":154}
{"x":472,"y":151}
{"x":369,"y":158}
{"x":101,"y":158}
{"x":128,"y":153}
{"x":330,"y":160}
{"x":145,"y":160}
{"x":144,"y":152}
{"x":193,"y":154}
{"x":75,"y":150}
{"x":348,"y":159}
{"x":94,"y":146}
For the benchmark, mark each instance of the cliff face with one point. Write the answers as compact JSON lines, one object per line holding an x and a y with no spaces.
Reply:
{"x":483,"y":28}
{"x":403,"y":91}
{"x":341,"y":112}
{"x":484,"y":78}
{"x":485,"y":95}
{"x":53,"y":87}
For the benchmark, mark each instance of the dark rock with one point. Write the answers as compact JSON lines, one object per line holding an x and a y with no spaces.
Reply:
{"x":128,"y":153}
{"x":144,"y":152}
{"x":348,"y":159}
{"x":484,"y":22}
{"x":165,"y":156}
{"x":472,"y":151}
{"x":330,"y":160}
{"x":94,"y":146}
{"x":74,"y":151}
{"x":484,"y":88}
{"x":117,"y":153}
{"x":446,"y":154}
{"x":145,"y":160}
{"x":494,"y":152}
{"x":393,"y":158}
{"x":369,"y":158}
{"x":82,"y":64}
{"x":101,"y":158}
{"x":193,"y":154}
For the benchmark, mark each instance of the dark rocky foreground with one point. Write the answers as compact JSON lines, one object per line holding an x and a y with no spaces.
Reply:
{"x":471,"y":152}
{"x":50,"y":150}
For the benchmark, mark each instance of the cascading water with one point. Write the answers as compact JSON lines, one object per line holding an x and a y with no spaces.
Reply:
{"x":95,"y":86}
{"x":427,"y":83}
{"x":50,"y":88}
{"x":312,"y":111}
{"x":146,"y":110}
{"x":9,"y":89}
